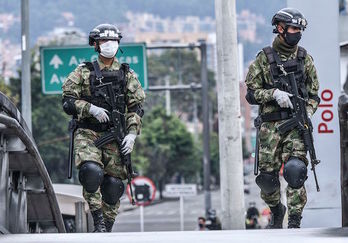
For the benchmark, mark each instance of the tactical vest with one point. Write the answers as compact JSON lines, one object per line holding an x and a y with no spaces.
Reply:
{"x":278,"y":68}
{"x":118,"y":80}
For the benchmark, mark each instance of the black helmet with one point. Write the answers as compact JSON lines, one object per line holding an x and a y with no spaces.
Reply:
{"x":104,"y":32}
{"x":290,"y":17}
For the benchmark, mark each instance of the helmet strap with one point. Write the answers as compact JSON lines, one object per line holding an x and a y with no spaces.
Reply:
{"x":284,"y":32}
{"x":97,"y":46}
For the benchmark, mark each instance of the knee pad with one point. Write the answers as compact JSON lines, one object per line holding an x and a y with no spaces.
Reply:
{"x":111,"y":189}
{"x":91,"y":176}
{"x":295,"y":172}
{"x":268,"y":182}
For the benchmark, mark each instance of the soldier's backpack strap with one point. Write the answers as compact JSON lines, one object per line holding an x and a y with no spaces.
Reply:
{"x":301,"y":53}
{"x":90,"y":67}
{"x":275,"y":66}
{"x":98,"y":74}
{"x":269,"y":54}
{"x":272,"y":56}
{"x":301,"y":56}
{"x":126,"y":69}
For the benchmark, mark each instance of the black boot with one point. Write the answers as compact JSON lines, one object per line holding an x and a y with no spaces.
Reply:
{"x":99,"y":224}
{"x":109,"y":224}
{"x":278,"y":213}
{"x":294,"y":221}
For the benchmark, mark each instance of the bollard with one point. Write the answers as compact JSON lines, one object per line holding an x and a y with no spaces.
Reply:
{"x":80,"y":217}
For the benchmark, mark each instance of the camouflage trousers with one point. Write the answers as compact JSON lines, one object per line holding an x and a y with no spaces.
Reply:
{"x":108,"y":158}
{"x":275,"y":149}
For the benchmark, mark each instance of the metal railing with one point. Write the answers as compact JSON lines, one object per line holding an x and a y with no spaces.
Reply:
{"x":27,"y":200}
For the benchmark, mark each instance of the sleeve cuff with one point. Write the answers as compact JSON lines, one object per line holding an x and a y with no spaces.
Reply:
{"x":264,"y":95}
{"x":132,"y":130}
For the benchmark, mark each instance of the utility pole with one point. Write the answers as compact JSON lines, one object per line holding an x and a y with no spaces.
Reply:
{"x":230,"y":139}
{"x":168,"y":105}
{"x":206,"y":133}
{"x":26,"y":85}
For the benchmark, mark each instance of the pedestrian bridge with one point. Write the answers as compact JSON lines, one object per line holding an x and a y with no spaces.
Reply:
{"x":27,"y":199}
{"x":332,"y":235}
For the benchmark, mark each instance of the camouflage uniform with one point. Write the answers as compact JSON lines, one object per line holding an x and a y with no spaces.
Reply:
{"x":276,"y":149}
{"x":76,"y":86}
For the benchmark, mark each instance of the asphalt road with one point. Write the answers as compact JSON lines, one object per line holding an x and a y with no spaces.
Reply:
{"x":165,"y":216}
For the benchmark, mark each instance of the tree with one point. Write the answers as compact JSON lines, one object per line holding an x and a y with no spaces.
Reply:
{"x":184,"y":67}
{"x":166,"y":149}
{"x":4,"y":88}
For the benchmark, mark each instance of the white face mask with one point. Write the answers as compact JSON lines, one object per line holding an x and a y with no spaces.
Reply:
{"x":109,"y":49}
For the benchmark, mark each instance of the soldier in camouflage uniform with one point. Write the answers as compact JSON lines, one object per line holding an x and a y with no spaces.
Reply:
{"x":274,"y":108}
{"x":100,"y":169}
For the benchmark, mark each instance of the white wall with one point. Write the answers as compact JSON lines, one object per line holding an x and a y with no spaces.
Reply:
{"x":321,"y":41}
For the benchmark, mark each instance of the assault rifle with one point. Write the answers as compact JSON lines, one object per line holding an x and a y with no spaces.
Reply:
{"x":300,"y":121}
{"x":117,"y":129}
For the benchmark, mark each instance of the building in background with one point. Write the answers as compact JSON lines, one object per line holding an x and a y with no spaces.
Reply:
{"x":63,"y":36}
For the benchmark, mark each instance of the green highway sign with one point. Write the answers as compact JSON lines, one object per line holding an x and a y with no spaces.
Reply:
{"x":58,"y":62}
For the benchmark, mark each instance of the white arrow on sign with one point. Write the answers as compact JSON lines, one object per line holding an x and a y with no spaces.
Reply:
{"x":56,"y":61}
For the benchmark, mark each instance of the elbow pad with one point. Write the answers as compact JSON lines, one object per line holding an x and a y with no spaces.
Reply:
{"x":250,"y":97}
{"x":69,"y":106}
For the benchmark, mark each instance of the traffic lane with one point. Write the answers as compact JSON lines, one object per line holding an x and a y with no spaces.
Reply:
{"x":161,"y":220}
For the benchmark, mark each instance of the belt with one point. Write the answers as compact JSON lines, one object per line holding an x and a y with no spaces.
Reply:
{"x":101,"y":127}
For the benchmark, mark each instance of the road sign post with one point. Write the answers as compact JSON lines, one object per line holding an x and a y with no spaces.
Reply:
{"x":181,"y":191}
{"x":145,"y":192}
{"x":58,"y":62}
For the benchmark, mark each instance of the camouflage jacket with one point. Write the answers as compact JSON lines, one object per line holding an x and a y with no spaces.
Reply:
{"x":77,"y":85}
{"x":259,"y":74}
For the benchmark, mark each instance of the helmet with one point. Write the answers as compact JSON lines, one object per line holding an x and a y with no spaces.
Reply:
{"x":290,"y":17}
{"x":104,"y":32}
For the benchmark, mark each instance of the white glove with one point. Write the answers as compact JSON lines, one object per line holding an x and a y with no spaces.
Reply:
{"x":99,"y":113}
{"x":283,"y":98}
{"x":128,"y":143}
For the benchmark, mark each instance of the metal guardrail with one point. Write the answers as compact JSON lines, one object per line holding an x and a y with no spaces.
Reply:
{"x":27,"y":200}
